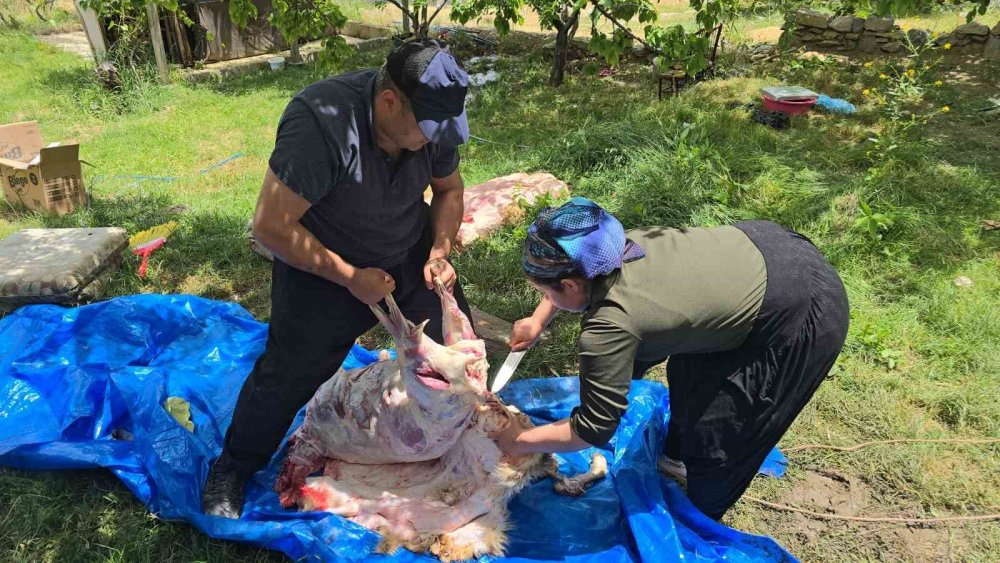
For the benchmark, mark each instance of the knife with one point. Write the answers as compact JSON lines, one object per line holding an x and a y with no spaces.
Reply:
{"x":507,"y":370}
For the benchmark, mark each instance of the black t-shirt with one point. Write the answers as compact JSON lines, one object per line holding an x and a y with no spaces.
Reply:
{"x":366,"y":207}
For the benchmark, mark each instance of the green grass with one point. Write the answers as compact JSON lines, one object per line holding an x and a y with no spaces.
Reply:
{"x":921,"y":358}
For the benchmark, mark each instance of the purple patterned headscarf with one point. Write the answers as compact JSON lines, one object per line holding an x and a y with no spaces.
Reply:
{"x":577,"y":237}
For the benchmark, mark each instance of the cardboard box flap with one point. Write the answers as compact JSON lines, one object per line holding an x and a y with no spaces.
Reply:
{"x":60,"y":153}
{"x":20,"y":141}
{"x":17,"y":164}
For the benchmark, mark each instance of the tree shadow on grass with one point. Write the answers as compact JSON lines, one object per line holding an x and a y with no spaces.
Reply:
{"x":138,"y":90}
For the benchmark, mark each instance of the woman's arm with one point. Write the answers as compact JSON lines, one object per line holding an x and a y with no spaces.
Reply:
{"x":607,"y":354}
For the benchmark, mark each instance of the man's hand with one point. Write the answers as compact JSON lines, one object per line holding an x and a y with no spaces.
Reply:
{"x":525,"y":333}
{"x":439,"y":268}
{"x":371,"y":285}
{"x":447,"y":209}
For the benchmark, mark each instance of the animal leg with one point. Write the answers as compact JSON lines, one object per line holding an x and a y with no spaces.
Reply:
{"x":302,"y":460}
{"x":577,"y":485}
{"x":486,"y":535}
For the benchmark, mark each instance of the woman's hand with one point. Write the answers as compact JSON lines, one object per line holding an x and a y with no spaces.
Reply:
{"x":525,"y":333}
{"x":507,"y":439}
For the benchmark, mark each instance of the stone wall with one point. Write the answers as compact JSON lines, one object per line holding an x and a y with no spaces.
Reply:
{"x":875,"y":35}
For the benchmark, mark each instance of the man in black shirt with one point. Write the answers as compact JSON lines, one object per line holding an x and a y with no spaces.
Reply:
{"x":342,"y":210}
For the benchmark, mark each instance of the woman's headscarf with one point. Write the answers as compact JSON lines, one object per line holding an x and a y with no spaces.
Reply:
{"x":577,"y":237}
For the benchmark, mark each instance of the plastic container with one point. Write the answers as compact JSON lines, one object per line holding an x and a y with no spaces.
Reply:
{"x":277,"y":63}
{"x":790,"y":107}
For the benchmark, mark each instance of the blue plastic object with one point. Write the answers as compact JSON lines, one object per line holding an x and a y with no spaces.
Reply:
{"x":84,"y":387}
{"x":836,"y":105}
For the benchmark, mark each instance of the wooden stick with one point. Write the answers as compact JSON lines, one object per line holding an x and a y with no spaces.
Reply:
{"x":156,"y":35}
{"x":92,"y":27}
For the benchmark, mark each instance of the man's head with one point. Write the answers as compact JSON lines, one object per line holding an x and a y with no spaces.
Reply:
{"x":420,"y":96}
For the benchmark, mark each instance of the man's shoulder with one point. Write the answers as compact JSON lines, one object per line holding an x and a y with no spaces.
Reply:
{"x":338,"y":96}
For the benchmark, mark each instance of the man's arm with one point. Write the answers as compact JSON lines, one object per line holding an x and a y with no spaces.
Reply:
{"x":276,"y":226}
{"x":447,"y":209}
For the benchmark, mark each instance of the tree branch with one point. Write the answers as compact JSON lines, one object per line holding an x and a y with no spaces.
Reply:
{"x":401,"y":8}
{"x":434,"y":15}
{"x":622,"y":27}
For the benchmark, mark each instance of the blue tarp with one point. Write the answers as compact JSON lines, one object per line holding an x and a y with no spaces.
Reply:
{"x":84,"y":387}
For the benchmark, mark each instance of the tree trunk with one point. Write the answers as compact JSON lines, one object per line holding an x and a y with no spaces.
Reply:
{"x":406,"y":16}
{"x":293,"y":54}
{"x":421,"y":25}
{"x":559,"y":57}
{"x":565,"y":30}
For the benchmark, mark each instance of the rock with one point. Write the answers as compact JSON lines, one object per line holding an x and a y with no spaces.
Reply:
{"x":919,"y":37}
{"x":892,"y":47}
{"x":830,"y":34}
{"x":854,"y":36}
{"x":964,"y":281}
{"x":842,"y":23}
{"x":974,"y":28}
{"x":961,"y":41}
{"x":996,"y":29}
{"x":812,"y":18}
{"x":882,"y":40}
{"x":868,"y":44}
{"x":943,"y":39}
{"x":971,"y":49}
{"x":829,"y":44}
{"x":858,"y":26}
{"x":763,"y":49}
{"x":850,"y":44}
{"x":875,"y":23}
{"x":640,"y":51}
{"x":978,"y":38}
{"x":991,"y":51}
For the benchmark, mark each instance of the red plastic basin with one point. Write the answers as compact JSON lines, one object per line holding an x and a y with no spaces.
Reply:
{"x":791,"y":107}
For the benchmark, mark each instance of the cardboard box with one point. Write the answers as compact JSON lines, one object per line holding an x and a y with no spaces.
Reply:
{"x":39,"y":177}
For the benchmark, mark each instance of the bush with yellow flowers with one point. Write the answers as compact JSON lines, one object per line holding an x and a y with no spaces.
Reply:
{"x":897,"y":91}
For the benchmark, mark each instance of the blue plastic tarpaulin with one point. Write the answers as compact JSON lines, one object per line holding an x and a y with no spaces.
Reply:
{"x":85,"y":387}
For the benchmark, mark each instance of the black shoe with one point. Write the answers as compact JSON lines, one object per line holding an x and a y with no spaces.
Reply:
{"x":223,"y":492}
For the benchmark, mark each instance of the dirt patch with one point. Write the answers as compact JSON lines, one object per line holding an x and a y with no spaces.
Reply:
{"x":765,"y":34}
{"x":835,"y":493}
{"x":829,"y":491}
{"x":919,"y":544}
{"x":74,"y":42}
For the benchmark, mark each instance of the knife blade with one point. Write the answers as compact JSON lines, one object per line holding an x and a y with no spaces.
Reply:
{"x":507,"y":370}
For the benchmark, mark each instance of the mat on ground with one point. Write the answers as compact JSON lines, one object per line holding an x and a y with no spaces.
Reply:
{"x":86,"y":387}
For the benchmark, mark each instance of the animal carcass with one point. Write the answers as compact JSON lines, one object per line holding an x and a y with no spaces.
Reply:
{"x":404,"y":445}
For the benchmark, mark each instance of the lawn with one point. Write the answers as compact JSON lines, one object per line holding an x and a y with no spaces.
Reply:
{"x":921,"y":358}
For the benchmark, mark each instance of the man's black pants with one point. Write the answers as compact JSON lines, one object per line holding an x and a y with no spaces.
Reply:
{"x":729,"y":409}
{"x":314,"y":323}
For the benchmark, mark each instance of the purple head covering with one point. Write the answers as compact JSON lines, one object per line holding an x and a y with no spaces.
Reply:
{"x":577,"y":237}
